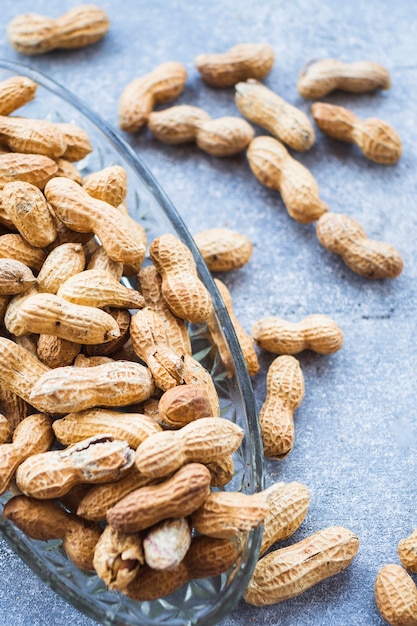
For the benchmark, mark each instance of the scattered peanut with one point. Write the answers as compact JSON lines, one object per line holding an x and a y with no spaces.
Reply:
{"x":272,"y":165}
{"x":246,"y":60}
{"x":346,"y":237}
{"x":396,"y":596}
{"x":137,"y":100}
{"x":267,"y":109}
{"x":223,"y":249}
{"x":288,"y":572}
{"x":407,"y":551}
{"x":319,"y":78}
{"x":167,"y":543}
{"x":36,"y":34}
{"x":377,"y":140}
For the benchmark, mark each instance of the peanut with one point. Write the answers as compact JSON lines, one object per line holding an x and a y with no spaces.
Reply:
{"x":284,"y":394}
{"x":4,"y":303}
{"x":122,"y":317}
{"x":131,"y":427}
{"x":82,"y":213}
{"x":36,"y":169}
{"x":100,"y":260}
{"x":97,"y":459}
{"x":318,"y":79}
{"x":195,"y":374}
{"x":181,"y":405}
{"x":15,"y":277}
{"x":118,"y":383}
{"x":45,"y":313}
{"x":346,"y":237}
{"x":68,"y":170}
{"x":5,"y":430}
{"x":167,"y":543}
{"x":226,"y":513}
{"x":222,"y":470}
{"x":56,"y":352}
{"x":13,"y":246}
{"x":91,"y":361}
{"x":318,"y":333}
{"x":396,"y":596}
{"x":61,"y":263}
{"x":20,"y":369}
{"x":15,"y":92}
{"x":177,"y":496}
{"x":13,"y":407}
{"x":407,"y":551}
{"x":221,"y":137}
{"x":32,"y":136}
{"x":118,"y":557}
{"x":26,"y":206}
{"x":206,"y":557}
{"x":272,"y":165}
{"x":267,"y":109}
{"x":376,"y":139}
{"x":137,"y":100}
{"x":201,"y":441}
{"x":223,"y":249}
{"x":108,"y":184}
{"x":288,"y":572}
{"x":183,"y":291}
{"x":287,"y":507}
{"x":33,"y":34}
{"x":32,"y":436}
{"x":77,"y":141}
{"x":97,"y":288}
{"x":246,"y":60}
{"x":43,"y":520}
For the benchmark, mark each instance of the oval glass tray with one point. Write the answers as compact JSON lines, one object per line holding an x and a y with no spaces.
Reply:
{"x":204,"y":601}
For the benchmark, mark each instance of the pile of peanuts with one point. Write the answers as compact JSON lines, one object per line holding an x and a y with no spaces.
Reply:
{"x":71,"y":346}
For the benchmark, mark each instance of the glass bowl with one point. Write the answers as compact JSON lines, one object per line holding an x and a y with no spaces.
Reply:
{"x":203,"y":601}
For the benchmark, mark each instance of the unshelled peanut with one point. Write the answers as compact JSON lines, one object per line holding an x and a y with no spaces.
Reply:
{"x":15,"y":277}
{"x":5,"y":429}
{"x":13,"y":246}
{"x":15,"y":92}
{"x":181,"y":405}
{"x":36,"y":169}
{"x":166,"y":544}
{"x":396,"y":596}
{"x":407,"y":552}
{"x":20,"y":370}
{"x":98,"y":288}
{"x":245,"y":60}
{"x":61,"y":263}
{"x":223,"y":249}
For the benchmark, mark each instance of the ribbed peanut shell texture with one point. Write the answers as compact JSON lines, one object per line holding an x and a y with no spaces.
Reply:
{"x":264,"y":107}
{"x":177,"y":124}
{"x":15,"y":92}
{"x":183,"y":291}
{"x":347,"y":238}
{"x":407,"y":552}
{"x":181,"y":405}
{"x":36,"y":169}
{"x":5,"y":429}
{"x":67,"y":389}
{"x":318,"y":79}
{"x":178,"y":496}
{"x":61,"y":263}
{"x":15,"y":277}
{"x":54,"y":351}
{"x":108,"y":184}
{"x":288,"y":572}
{"x":20,"y":369}
{"x":223,"y":249}
{"x":273,"y":166}
{"x":13,"y":246}
{"x":200,"y":441}
{"x":396,"y":596}
{"x":32,"y":136}
{"x":284,"y":394}
{"x":98,"y":288}
{"x":245,"y":60}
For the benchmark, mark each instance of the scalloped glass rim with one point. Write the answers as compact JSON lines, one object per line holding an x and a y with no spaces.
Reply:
{"x":230,"y":595}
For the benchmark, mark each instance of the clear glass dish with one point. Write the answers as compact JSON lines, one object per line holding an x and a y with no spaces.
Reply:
{"x":200,"y":602}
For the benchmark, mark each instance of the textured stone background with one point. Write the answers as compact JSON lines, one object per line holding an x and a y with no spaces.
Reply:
{"x":355,"y":431}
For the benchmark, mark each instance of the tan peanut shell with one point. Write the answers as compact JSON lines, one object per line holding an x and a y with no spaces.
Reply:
{"x":177,"y":496}
{"x":14,"y":408}
{"x":98,"y":288}
{"x":118,"y":557}
{"x":112,"y":384}
{"x":185,"y":294}
{"x":97,"y":459}
{"x":226,"y":513}
{"x":319,"y":78}
{"x":5,"y":429}
{"x":273,"y":166}
{"x":15,"y":277}
{"x":347,"y":238}
{"x":175,"y":328}
{"x":32,"y":136}
{"x":61,"y":263}
{"x":140,"y":96}
{"x":288,"y":572}
{"x":407,"y":552}
{"x":195,"y":374}
{"x":100,"y":260}
{"x":166,"y":544}
{"x":396,"y":595}
{"x":222,"y":470}
{"x":131,"y":427}
{"x":376,"y":139}
{"x":264,"y":107}
{"x":284,"y":394}
{"x":122,"y":317}
{"x":287,"y":507}
{"x":108,"y":184}
{"x":245,"y":60}
{"x":91,"y":361}
{"x":316,"y":332}
{"x":200,"y":441}
{"x":20,"y":369}
{"x":13,"y":246}
{"x":48,"y":314}
{"x":28,"y":342}
{"x":12,"y":311}
{"x":181,"y":405}
{"x":26,"y":206}
{"x":15,"y":92}
{"x":68,"y":170}
{"x":36,"y":169}
{"x":177,"y":124}
{"x":82,"y":213}
{"x":223,"y":249}
{"x":56,"y":352}
{"x":32,"y":34}
{"x":4,"y":303}
{"x":32,"y":436}
{"x":43,"y":520}
{"x":77,"y":141}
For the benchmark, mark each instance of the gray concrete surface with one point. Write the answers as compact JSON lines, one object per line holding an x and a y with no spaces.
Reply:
{"x":356,"y":433}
